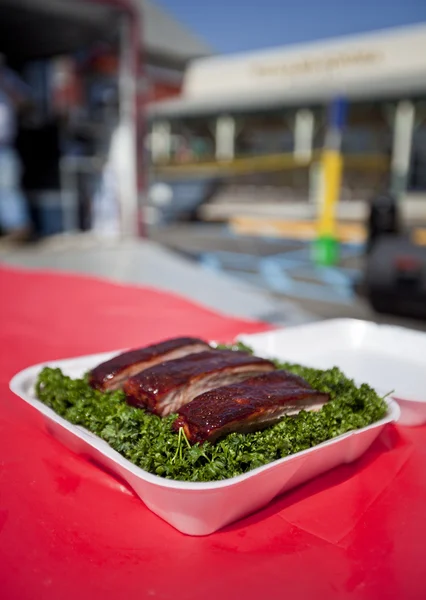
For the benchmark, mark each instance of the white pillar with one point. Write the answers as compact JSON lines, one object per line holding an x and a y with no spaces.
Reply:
{"x":316,"y":184}
{"x":161,"y":141}
{"x":225,"y":138}
{"x":402,"y":144}
{"x":124,"y":143}
{"x":304,"y":134}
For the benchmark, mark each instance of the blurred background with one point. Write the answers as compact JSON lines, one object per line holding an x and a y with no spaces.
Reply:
{"x":267,"y":160}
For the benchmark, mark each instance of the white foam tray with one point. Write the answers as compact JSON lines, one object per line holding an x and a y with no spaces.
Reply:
{"x":391,"y":359}
{"x":198,"y":508}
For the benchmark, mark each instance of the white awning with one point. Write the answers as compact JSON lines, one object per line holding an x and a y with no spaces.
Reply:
{"x":383,"y":64}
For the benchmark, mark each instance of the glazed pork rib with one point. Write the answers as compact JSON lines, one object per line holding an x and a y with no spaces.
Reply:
{"x":247,"y":406}
{"x":111,"y":374}
{"x":166,"y":387}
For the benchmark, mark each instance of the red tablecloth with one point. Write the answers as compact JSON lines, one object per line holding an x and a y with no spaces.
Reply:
{"x":70,"y":531}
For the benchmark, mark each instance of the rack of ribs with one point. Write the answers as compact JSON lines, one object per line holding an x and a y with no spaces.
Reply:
{"x":247,"y":406}
{"x":112,"y":374}
{"x":164,"y":388}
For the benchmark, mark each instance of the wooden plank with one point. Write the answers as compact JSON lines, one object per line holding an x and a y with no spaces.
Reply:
{"x":297,"y":230}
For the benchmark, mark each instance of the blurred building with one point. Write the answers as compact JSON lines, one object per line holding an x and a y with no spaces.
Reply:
{"x":92,"y":65}
{"x":166,"y":48}
{"x":258,"y":120}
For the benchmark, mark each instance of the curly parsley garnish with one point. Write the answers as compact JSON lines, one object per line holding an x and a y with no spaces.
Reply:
{"x":148,"y":441}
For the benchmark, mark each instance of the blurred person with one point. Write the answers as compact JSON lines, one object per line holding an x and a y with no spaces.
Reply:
{"x":39,"y":145}
{"x":14,"y":214}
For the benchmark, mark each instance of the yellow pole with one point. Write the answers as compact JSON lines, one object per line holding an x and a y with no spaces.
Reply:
{"x":326,"y":246}
{"x":332,"y":172}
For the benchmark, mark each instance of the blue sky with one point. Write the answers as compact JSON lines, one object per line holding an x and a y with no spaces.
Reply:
{"x":238,"y":25}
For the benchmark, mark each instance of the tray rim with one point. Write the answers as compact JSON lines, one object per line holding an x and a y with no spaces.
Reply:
{"x":372,"y":325}
{"x":336,"y":321}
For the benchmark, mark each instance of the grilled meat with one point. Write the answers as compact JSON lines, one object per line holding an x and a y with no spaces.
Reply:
{"x":164,"y":388}
{"x":111,"y":374}
{"x":247,"y":406}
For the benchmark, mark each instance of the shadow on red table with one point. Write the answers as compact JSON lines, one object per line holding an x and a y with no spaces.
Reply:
{"x":331,"y":505}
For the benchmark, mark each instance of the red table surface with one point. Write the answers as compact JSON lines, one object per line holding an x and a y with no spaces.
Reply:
{"x":69,"y":530}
